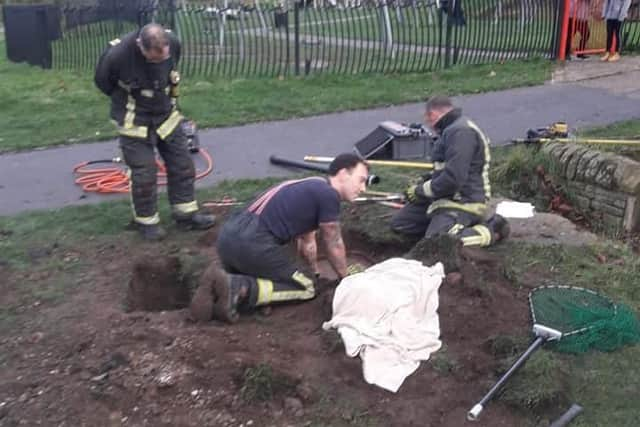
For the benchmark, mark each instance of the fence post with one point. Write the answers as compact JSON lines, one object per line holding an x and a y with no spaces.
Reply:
{"x":296,"y":37}
{"x":447,"y":40}
{"x":388,"y":34}
{"x":172,"y":16}
{"x":562,"y":30}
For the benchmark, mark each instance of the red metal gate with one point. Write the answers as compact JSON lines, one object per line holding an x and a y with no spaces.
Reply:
{"x":583,"y":30}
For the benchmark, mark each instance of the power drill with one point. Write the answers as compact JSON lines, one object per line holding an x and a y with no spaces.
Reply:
{"x":556,"y":130}
{"x":191,"y":132}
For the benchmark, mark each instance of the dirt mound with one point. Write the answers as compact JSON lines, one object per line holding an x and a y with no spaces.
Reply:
{"x":87,"y":359}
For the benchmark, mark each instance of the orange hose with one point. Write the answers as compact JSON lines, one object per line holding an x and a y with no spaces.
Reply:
{"x":115,"y":180}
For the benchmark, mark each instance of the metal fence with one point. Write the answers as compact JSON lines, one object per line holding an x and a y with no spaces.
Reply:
{"x":349,"y":37}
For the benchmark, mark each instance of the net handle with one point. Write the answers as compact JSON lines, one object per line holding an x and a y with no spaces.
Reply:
{"x":474,"y":413}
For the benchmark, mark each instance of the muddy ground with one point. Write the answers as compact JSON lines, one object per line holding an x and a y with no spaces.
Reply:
{"x":103,"y":355}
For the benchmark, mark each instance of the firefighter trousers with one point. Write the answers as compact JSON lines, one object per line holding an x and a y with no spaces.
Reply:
{"x":139,"y":156}
{"x":413,"y":220}
{"x":256,"y":258}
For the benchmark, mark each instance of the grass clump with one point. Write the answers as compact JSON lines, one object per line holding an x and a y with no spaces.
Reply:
{"x":260,"y":383}
{"x":444,"y":362}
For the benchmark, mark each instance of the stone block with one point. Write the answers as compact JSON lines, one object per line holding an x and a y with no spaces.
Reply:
{"x":554,"y":149}
{"x":604,"y":177}
{"x":583,"y":164}
{"x":592,"y":168}
{"x":611,"y":222}
{"x":609,"y":196}
{"x":632,"y":214}
{"x":627,"y":175}
{"x":582,"y":203}
{"x":603,"y":206}
{"x":567,"y":156}
{"x":572,"y":164}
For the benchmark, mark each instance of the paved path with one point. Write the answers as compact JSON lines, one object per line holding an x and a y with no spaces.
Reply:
{"x":578,"y":94}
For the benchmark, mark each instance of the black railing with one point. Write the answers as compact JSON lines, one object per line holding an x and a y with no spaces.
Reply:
{"x":348,"y":38}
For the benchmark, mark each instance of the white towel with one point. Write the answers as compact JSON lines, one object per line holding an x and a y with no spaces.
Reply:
{"x":388,"y":315}
{"x":510,"y":209}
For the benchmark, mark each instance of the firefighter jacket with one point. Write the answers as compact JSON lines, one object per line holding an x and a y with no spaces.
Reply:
{"x":463,"y":180}
{"x":142,"y":93}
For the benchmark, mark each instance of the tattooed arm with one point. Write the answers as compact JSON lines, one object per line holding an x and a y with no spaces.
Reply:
{"x":336,"y":252}
{"x":308,"y":248}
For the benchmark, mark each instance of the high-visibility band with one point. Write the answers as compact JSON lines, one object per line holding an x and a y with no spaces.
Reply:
{"x":130,"y":115}
{"x":147,"y":220}
{"x":169,"y":125}
{"x":134,"y":132}
{"x":482,"y":239}
{"x":185,"y":208}
{"x":307,"y":293}
{"x":487,"y":159}
{"x":455,"y":229}
{"x":479,"y":209}
{"x":438,"y":165}
{"x":476,"y":240}
{"x":128,"y":128}
{"x":426,"y":187}
{"x":265,"y":291}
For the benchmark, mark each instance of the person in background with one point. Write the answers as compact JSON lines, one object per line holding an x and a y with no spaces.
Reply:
{"x":614,"y":12}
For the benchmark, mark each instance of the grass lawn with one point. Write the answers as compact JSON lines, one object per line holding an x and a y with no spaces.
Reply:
{"x":42,"y":108}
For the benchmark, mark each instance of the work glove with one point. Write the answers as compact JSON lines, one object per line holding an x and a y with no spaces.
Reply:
{"x":355,"y":268}
{"x":415,"y":193}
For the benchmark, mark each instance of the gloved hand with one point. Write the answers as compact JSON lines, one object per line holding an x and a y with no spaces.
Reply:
{"x":355,"y":268}
{"x":415,"y":193}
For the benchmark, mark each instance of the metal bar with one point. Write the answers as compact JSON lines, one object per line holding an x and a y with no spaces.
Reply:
{"x":419,"y":165}
{"x":296,"y":37}
{"x":568,"y":416}
{"x":474,"y":413}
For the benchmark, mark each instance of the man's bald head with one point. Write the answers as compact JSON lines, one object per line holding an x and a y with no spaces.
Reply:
{"x":153,"y":41}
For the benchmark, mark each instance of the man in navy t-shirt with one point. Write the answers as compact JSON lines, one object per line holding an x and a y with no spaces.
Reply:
{"x":253,"y":244}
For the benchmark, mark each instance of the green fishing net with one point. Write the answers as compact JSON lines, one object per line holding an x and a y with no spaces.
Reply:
{"x":586,"y":319}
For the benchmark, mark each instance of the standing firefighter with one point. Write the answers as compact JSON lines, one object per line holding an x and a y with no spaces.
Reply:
{"x":139,"y":73}
{"x":253,"y":244}
{"x":453,"y":200}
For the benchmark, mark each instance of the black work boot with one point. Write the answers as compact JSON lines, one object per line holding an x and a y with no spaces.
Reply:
{"x":150,"y":232}
{"x":500,"y":228}
{"x":195,"y":220}
{"x":228,"y":296}
{"x":201,"y":306}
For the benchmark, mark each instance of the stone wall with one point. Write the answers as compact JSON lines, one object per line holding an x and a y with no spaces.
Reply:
{"x":604,"y":186}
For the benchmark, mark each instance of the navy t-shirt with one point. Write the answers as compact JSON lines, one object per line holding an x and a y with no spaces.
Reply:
{"x":298,"y":207}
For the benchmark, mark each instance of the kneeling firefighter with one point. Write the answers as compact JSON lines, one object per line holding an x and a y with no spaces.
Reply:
{"x":453,"y":200}
{"x":253,"y":244}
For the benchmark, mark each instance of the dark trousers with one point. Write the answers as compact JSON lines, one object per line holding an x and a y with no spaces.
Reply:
{"x":253,"y":256}
{"x":412,"y":220}
{"x":139,"y":155}
{"x":613,"y":30}
{"x":577,"y":26}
